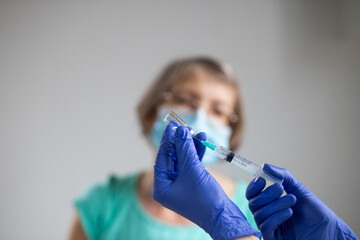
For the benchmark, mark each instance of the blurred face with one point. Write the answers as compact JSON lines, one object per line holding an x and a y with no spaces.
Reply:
{"x":205,"y":90}
{"x":203,"y":101}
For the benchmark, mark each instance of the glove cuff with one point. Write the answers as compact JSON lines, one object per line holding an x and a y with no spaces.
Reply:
{"x":231,"y":223}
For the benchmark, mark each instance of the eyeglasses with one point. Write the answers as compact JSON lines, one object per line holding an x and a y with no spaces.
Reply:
{"x":190,"y":101}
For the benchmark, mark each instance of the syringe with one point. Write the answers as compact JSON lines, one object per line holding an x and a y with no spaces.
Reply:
{"x":225,"y":154}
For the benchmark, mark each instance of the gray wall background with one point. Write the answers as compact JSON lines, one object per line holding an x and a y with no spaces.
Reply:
{"x":72,"y":72}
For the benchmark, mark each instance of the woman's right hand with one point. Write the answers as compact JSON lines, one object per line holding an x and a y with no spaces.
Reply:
{"x":182,"y":184}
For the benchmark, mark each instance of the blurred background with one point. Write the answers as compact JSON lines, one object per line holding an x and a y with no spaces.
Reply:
{"x":72,"y":73}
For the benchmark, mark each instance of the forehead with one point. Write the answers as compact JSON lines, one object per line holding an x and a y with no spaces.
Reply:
{"x":208,"y":87}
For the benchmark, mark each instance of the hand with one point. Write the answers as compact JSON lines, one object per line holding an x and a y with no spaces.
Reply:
{"x":183,"y":185}
{"x":297,"y":215}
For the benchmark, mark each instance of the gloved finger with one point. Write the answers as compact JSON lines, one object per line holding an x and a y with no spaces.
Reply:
{"x":166,"y":151}
{"x":200,"y":149}
{"x":254,"y":188}
{"x":290,"y":183}
{"x":268,"y":227}
{"x":265,"y":197}
{"x":280,"y":204}
{"x":185,"y":148}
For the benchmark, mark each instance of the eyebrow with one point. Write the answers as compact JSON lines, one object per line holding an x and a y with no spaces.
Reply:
{"x":213,"y":101}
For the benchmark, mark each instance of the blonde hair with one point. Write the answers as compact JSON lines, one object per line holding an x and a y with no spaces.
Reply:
{"x":180,"y":70}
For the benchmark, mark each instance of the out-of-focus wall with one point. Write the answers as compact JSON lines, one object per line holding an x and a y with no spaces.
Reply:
{"x":72,"y":72}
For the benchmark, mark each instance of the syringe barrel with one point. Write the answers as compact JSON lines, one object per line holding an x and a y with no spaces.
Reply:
{"x":237,"y":160}
{"x":244,"y":164}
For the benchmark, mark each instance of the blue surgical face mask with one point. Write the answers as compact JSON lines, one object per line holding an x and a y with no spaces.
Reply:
{"x":217,"y":133}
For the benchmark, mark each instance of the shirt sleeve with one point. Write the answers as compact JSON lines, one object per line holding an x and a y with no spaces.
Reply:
{"x":90,"y":208}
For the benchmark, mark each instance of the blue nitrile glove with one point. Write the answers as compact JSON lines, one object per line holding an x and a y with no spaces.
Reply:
{"x":182,"y":184}
{"x":297,"y":215}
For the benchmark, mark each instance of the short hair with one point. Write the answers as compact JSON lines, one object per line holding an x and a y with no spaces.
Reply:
{"x":179,"y":70}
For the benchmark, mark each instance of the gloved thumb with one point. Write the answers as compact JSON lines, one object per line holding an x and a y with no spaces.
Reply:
{"x":290,"y":183}
{"x":185,"y":148}
{"x":200,"y":148}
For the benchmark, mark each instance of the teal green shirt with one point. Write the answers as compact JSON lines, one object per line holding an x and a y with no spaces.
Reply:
{"x":113,"y":211}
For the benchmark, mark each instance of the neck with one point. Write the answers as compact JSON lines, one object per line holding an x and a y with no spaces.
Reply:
{"x":145,"y":185}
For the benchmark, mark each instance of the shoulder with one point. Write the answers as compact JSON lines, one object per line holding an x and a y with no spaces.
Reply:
{"x":104,"y":197}
{"x":97,"y":206}
{"x":114,"y":186}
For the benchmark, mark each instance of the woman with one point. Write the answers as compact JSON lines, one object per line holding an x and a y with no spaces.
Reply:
{"x":205,"y":94}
